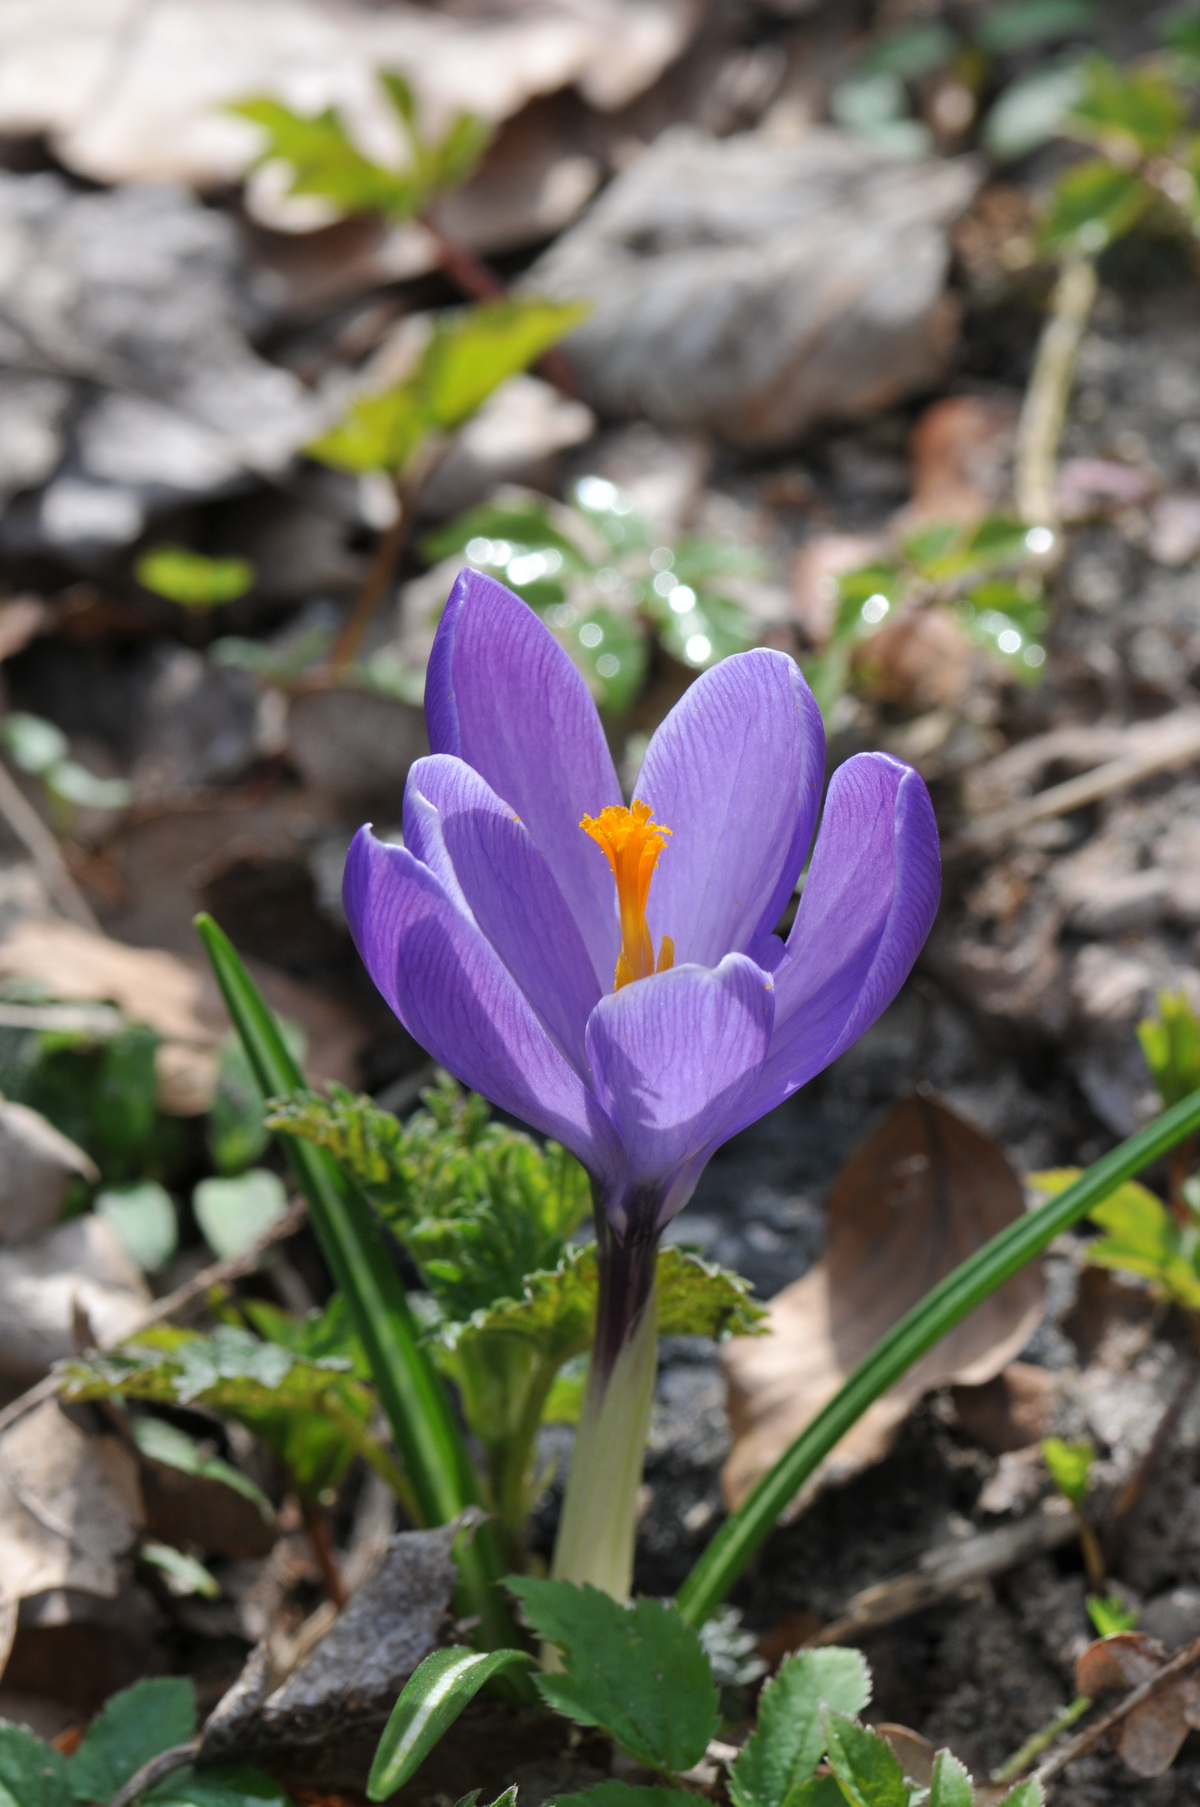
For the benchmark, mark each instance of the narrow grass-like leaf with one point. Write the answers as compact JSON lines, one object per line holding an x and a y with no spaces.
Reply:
{"x":434,"y":1696}
{"x":410,"y":1391}
{"x":945,"y":1306}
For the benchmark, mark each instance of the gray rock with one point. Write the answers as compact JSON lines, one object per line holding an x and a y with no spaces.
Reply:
{"x":197,"y":722}
{"x":355,"y":745}
{"x":754,"y":289}
{"x":37,"y":1166}
{"x":127,"y":312}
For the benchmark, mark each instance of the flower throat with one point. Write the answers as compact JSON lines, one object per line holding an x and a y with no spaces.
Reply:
{"x":632,"y":843}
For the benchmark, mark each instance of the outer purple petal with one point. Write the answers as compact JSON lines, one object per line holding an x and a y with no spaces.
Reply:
{"x":674,"y":1058}
{"x":452,"y":992}
{"x":502,"y":695}
{"x":868,"y":903}
{"x":735,"y":772}
{"x":451,"y":816}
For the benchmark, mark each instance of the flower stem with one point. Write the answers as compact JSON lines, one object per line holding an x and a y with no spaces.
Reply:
{"x":599,"y":1519}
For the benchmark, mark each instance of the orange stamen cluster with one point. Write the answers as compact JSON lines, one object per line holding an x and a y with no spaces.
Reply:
{"x":632,"y":843}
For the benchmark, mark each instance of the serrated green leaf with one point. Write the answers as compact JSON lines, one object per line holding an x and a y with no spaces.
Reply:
{"x":433,"y":1697}
{"x":626,"y":1794}
{"x":142,"y":1217}
{"x":950,"y":1785}
{"x":161,"y":1441}
{"x":1091,"y":204}
{"x":865,"y":1765}
{"x":1070,"y":1466}
{"x":184,"y":1574}
{"x":233,"y":1213}
{"x":788,"y":1741}
{"x":31,"y":1773}
{"x":135,"y":1725}
{"x":191,"y":579}
{"x":1029,"y":1793}
{"x":1142,"y":1236}
{"x":637,"y":1671}
{"x":226,"y":1785}
{"x":818,"y":1791}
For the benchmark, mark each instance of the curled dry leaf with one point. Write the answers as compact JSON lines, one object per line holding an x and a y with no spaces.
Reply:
{"x":1148,"y":1739}
{"x":70,"y":1508}
{"x":924,"y":1191}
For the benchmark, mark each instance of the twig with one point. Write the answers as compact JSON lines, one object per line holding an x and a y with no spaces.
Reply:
{"x":219,"y":1273}
{"x":1176,"y":743}
{"x":316,"y":1523}
{"x":165,"y":1764}
{"x":1041,"y":1740}
{"x":475,"y":279}
{"x":1044,"y":410}
{"x":44,"y":851}
{"x":946,"y":1570}
{"x":1183,"y":1660}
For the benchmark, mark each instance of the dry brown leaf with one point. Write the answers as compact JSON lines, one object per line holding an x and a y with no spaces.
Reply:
{"x":921,"y":660}
{"x":961,"y":448}
{"x":131,"y":93}
{"x":923,"y":1192}
{"x":70,"y":1508}
{"x":77,"y":1272}
{"x":1148,"y":1739}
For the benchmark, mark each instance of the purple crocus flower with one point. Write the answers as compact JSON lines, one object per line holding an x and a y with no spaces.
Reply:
{"x":612,"y":975}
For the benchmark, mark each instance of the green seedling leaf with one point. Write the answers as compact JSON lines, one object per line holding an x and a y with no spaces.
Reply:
{"x":913,"y":50}
{"x":32,"y":1774}
{"x":225,"y":1786}
{"x":1092,"y":204}
{"x":473,"y":352}
{"x":495,"y":535}
{"x":1142,"y":1237}
{"x":161,"y":1441}
{"x":33,"y":744}
{"x":788,"y":1741}
{"x":865,"y":1765}
{"x":950,"y":1785}
{"x":234,"y":1213}
{"x":1029,"y":1793}
{"x":142,"y":1217}
{"x":1070,"y":1466}
{"x":1171,"y":1046}
{"x":135,"y":1725}
{"x":1031,"y":111}
{"x":1109,"y":1614}
{"x":184,"y":1575}
{"x":626,"y":1794}
{"x":325,"y":163}
{"x":378,"y":433}
{"x":1139,"y":108}
{"x":1023,"y":23}
{"x":191,"y":579}
{"x":75,"y":784}
{"x":637,"y":1671}
{"x":433,"y":1697}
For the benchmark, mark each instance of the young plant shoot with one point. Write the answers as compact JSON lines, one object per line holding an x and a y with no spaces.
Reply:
{"x":611,"y":975}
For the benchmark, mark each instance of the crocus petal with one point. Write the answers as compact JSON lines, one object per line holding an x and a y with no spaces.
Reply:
{"x":868,"y":903}
{"x":674,"y":1058}
{"x":451,"y":816}
{"x":453,"y":993}
{"x":735,"y":772}
{"x":502,"y":695}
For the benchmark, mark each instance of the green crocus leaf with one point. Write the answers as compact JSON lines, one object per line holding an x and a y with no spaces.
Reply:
{"x":135,"y":1725}
{"x":32,"y":1774}
{"x":788,"y":1741}
{"x":432,"y":1699}
{"x":638,"y":1671}
{"x":867,"y":1769}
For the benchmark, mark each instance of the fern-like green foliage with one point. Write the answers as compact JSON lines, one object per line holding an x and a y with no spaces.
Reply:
{"x":479,"y":1206}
